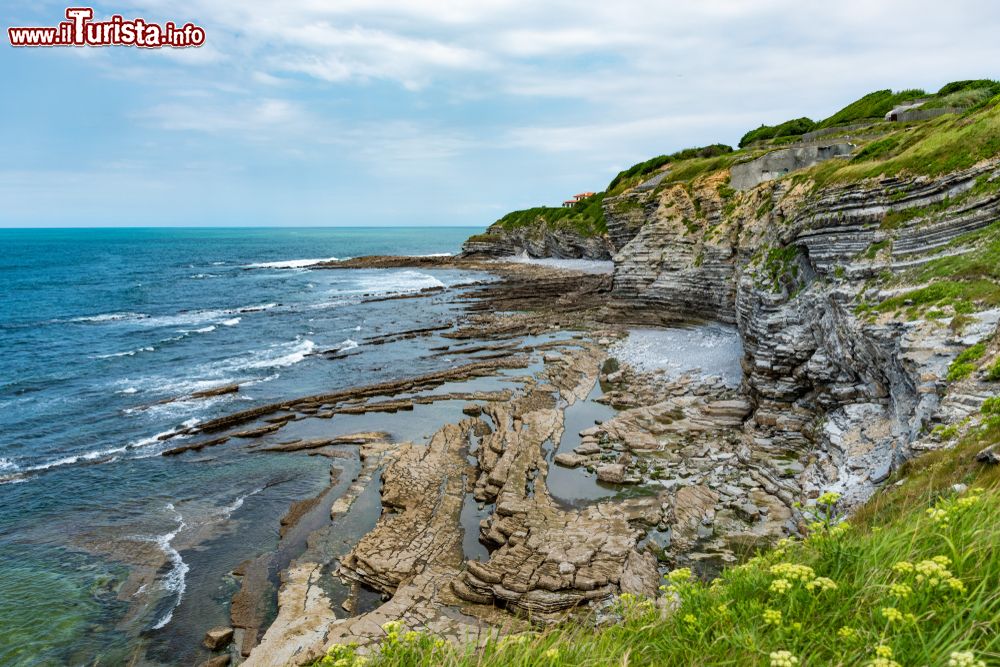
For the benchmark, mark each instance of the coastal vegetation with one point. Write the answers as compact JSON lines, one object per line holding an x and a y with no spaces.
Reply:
{"x":912,"y":578}
{"x":638,"y":172}
{"x":931,"y":147}
{"x":585,"y":217}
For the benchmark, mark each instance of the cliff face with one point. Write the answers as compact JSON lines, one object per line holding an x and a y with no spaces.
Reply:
{"x":541,"y":240}
{"x":800,"y":270}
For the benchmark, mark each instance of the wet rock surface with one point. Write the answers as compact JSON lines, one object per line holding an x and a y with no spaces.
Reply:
{"x":697,"y":471}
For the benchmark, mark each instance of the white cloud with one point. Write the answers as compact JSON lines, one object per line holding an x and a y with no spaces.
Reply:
{"x":496,"y":99}
{"x":215,"y":117}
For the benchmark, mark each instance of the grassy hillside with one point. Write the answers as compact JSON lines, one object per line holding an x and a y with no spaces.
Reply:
{"x":932,"y":147}
{"x":912,"y":579}
{"x":874,"y":106}
{"x":586,"y":218}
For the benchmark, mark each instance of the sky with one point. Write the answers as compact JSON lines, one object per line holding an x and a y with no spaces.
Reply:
{"x":431,"y":112}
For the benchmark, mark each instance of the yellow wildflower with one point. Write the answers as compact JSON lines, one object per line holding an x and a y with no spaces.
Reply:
{"x":828,"y":498}
{"x":883,"y":662}
{"x":411,"y":637}
{"x":892,"y":614}
{"x":903,"y":567}
{"x":772,"y":617}
{"x":793,"y":572}
{"x":392,"y":627}
{"x":937,"y":515}
{"x":783,"y":659}
{"x":780,"y":586}
{"x":883,"y":651}
{"x":840,"y":529}
{"x":691,"y":619}
{"x":847,"y":633}
{"x":955,"y":584}
{"x":552,"y":653}
{"x":901,"y":590}
{"x":821,"y":584}
{"x":679,"y":576}
{"x":964,"y":659}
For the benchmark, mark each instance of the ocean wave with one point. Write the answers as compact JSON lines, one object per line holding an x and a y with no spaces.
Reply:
{"x":7,"y":464}
{"x":396,"y":282}
{"x":185,"y":317}
{"x":203,"y":276}
{"x":228,"y":510}
{"x":346,"y":345}
{"x":437,"y":254}
{"x":107,"y":455}
{"x":287,"y":355}
{"x":129,"y":353}
{"x":291,"y":263}
{"x":175,"y":581}
{"x":107,"y":317}
{"x":231,"y":322}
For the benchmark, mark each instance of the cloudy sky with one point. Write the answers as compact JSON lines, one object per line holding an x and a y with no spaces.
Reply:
{"x":438,"y":112}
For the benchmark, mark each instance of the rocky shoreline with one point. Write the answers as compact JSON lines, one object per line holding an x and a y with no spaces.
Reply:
{"x":475,"y":533}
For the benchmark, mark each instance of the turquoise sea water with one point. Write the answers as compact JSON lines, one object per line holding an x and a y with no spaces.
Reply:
{"x":100,"y":332}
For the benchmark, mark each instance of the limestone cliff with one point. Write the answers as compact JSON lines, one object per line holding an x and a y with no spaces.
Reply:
{"x":844,"y":372}
{"x":571,"y":232}
{"x":541,"y":240}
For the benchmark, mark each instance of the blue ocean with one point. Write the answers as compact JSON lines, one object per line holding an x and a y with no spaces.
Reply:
{"x":105,"y":334}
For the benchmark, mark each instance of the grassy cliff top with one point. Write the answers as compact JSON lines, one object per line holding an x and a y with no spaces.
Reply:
{"x":933,"y":147}
{"x":586,"y":218}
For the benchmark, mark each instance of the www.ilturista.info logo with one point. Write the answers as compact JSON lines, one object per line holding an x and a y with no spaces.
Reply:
{"x":81,"y":30}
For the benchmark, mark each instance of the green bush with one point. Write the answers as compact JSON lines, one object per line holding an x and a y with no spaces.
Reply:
{"x":872,"y":105}
{"x":969,"y":84}
{"x":964,"y":364}
{"x":633,"y":174}
{"x":993,"y":374}
{"x":789,"y":128}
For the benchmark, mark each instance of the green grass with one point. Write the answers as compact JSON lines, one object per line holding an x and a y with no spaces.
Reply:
{"x":873,"y":105}
{"x":993,"y":373}
{"x":789,"y":129}
{"x":966,"y":282}
{"x":689,"y":170}
{"x":585,"y":218}
{"x":637,"y":173}
{"x":834,"y":598}
{"x":931,"y":148}
{"x":964,"y":364}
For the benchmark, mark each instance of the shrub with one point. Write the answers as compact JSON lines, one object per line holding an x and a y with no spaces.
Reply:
{"x":964,"y":364}
{"x":789,"y":128}
{"x":993,"y":374}
{"x":634,"y":173}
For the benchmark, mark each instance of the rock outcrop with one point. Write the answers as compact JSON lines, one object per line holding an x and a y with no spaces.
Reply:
{"x":777,"y":163}
{"x":790,"y":265}
{"x":541,"y":240}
